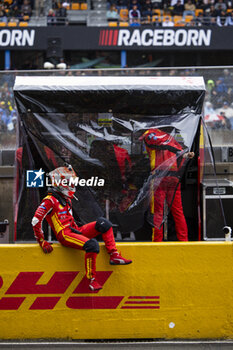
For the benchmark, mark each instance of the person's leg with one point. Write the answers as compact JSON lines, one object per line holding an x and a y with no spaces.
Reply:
{"x":157,"y":209}
{"x":178,"y":215}
{"x":104,"y":227}
{"x":78,"y":241}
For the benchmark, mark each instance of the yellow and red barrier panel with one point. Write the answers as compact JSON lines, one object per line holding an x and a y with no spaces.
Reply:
{"x":171,"y":290}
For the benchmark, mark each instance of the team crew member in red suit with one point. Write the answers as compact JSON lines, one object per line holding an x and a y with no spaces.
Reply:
{"x":57,"y":209}
{"x":166,"y":159}
{"x":123,"y":159}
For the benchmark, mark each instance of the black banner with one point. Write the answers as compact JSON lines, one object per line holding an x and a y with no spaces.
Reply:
{"x":106,"y":38}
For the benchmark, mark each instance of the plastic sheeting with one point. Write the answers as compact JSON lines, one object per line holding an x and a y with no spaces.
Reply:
{"x":97,"y":126}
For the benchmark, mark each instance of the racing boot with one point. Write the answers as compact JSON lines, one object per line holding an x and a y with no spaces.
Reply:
{"x":94,"y":285}
{"x":117,"y":259}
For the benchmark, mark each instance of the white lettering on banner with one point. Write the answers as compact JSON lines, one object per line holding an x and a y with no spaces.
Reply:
{"x":124,"y":35}
{"x":180,"y":37}
{"x":5,"y":37}
{"x":135,"y":38}
{"x":158,"y":37}
{"x":205,"y":37}
{"x":147,"y":37}
{"x":164,"y":37}
{"x":17,"y":37}
{"x":168,"y":38}
{"x":192,"y":37}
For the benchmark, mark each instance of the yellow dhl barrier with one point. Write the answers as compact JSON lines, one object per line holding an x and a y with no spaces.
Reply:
{"x":171,"y":290}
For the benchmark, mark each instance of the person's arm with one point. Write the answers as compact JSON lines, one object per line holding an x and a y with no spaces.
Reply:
{"x":162,"y":143}
{"x":188,"y":155}
{"x":44,"y":208}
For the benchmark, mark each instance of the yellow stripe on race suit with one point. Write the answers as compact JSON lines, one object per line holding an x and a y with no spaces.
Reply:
{"x":73,"y":240}
{"x":48,"y":197}
{"x":146,"y":132}
{"x":153,"y":234}
{"x":57,"y":223}
{"x":152,"y":159}
{"x":89,"y":269}
{"x":152,"y":164}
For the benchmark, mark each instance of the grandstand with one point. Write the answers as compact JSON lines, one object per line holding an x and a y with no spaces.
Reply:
{"x":167,"y":36}
{"x":93,"y":13}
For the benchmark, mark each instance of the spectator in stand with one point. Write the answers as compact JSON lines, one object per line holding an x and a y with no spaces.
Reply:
{"x":209,"y":87}
{"x":230,"y":19}
{"x":219,"y":93}
{"x":13,"y":11}
{"x":147,"y":14}
{"x":212,"y":12}
{"x":204,"y":2}
{"x":221,"y":86}
{"x":146,"y":10}
{"x":220,"y":5}
{"x":61,"y":14}
{"x":147,"y":4}
{"x":199,"y":20}
{"x":51,"y":18}
{"x":227,"y":78}
{"x":3,"y":16}
{"x":167,"y":22}
{"x":222,"y":19}
{"x":226,"y":110}
{"x":55,"y":4}
{"x":39,"y":7}
{"x":26,"y":8}
{"x":206,"y":5}
{"x":122,"y":4}
{"x":178,"y":9}
{"x":6,"y":116}
{"x":133,"y":3}
{"x":189,"y":9}
{"x":112,"y":14}
{"x":134,"y":14}
{"x":157,"y":21}
{"x":135,"y":23}
{"x":204,"y":17}
{"x":157,"y":4}
{"x":174,"y":2}
{"x":208,"y":108}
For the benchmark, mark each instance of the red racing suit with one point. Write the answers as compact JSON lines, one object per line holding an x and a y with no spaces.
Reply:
{"x":59,"y":216}
{"x":123,"y":160}
{"x":165,"y":161}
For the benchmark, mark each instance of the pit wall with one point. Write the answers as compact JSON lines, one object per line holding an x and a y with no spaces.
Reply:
{"x":170,"y":291}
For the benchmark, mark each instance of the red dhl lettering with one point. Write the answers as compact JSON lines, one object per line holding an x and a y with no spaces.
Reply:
{"x":27,"y":283}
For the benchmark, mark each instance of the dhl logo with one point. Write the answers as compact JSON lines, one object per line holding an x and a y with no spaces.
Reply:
{"x":27,"y":283}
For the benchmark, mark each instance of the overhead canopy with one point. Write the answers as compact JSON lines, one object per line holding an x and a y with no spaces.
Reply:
{"x":120,"y":94}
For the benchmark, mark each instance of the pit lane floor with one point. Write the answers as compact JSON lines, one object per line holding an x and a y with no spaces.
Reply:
{"x":120,"y":345}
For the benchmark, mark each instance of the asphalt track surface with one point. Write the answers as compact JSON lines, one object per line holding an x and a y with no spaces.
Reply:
{"x":147,"y":345}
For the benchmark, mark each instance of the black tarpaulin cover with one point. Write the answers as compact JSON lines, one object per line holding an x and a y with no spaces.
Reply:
{"x":100,"y":126}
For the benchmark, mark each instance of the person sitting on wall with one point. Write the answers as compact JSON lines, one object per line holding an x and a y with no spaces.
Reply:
{"x":56,"y":207}
{"x":166,"y":159}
